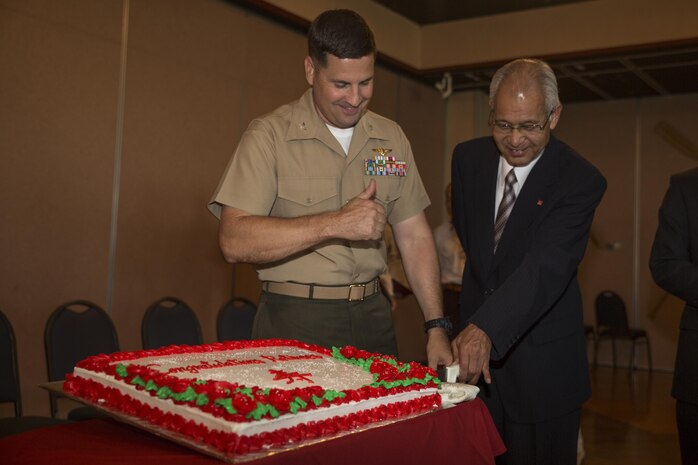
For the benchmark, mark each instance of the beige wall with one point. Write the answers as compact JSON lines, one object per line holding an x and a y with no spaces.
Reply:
{"x":557,"y":30}
{"x":194,"y":74}
{"x":571,"y":28}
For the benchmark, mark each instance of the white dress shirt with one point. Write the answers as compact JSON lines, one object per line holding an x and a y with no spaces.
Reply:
{"x":521,"y":172}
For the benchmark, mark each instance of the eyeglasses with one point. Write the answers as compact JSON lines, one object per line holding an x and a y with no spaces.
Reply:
{"x":526,"y":128}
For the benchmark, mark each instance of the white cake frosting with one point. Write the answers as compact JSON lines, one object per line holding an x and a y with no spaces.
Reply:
{"x":279,"y":366}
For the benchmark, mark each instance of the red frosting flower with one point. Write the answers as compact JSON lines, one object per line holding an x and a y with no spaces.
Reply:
{"x":417,"y":370}
{"x":385,"y":371}
{"x":280,"y":399}
{"x":243,"y":403}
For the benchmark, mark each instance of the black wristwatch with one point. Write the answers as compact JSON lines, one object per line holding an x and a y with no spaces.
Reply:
{"x":442,"y":322}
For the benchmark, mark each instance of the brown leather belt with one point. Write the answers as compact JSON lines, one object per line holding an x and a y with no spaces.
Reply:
{"x":452,"y":287}
{"x":352,"y":292}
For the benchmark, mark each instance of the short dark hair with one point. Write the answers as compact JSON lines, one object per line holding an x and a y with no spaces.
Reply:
{"x":342,"y":33}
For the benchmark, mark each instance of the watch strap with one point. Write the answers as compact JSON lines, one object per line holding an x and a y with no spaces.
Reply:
{"x":442,"y":322}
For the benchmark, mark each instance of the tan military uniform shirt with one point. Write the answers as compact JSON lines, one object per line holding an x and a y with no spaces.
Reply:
{"x":288,"y":164}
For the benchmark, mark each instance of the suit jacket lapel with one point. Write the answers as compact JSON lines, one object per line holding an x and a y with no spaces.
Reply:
{"x":531,"y":200}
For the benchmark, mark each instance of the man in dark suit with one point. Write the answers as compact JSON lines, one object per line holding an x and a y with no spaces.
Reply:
{"x":674,"y":266}
{"x":524,"y":235}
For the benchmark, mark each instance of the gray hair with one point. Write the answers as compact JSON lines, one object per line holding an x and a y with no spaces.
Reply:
{"x":537,"y":70}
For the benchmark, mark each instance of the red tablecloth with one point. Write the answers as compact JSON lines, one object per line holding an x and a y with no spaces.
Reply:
{"x":457,"y":435}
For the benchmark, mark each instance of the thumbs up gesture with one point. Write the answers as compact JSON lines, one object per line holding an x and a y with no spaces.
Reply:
{"x":362,"y":218}
{"x":370,"y":192}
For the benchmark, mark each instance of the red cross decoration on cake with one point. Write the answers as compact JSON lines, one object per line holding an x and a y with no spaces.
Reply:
{"x":291,"y":376}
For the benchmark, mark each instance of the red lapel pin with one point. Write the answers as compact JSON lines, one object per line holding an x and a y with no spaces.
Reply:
{"x":539,"y":203}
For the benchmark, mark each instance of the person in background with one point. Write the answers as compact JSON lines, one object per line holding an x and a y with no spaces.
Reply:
{"x":523,"y":204}
{"x":306,"y":198}
{"x":451,"y":263}
{"x":674,"y":267}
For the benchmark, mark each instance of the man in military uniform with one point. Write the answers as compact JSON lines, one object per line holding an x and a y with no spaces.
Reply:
{"x":307,"y":195}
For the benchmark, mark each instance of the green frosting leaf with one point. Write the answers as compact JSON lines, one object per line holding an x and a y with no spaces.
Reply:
{"x":272,"y":411}
{"x":202,"y":399}
{"x":331,"y":395}
{"x":151,"y":386}
{"x":303,"y":404}
{"x":138,"y":381}
{"x":186,"y":396}
{"x":226,"y":403}
{"x":190,"y":394}
{"x":263,"y":410}
{"x":258,"y":412}
{"x":297,"y":404}
{"x":164,"y":392}
{"x":121,"y":370}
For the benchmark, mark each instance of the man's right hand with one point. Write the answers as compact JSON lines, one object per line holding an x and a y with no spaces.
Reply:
{"x":472,"y":349}
{"x":246,"y":238}
{"x":362,"y":218}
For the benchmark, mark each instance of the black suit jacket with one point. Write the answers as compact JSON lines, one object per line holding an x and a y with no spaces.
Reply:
{"x":674,"y":266}
{"x":526,"y":297}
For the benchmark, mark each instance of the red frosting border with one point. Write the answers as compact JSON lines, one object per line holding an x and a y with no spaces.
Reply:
{"x":231,"y":443}
{"x":386,"y":367}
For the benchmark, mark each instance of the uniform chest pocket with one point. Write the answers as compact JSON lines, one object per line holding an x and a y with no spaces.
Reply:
{"x":388,"y":190}
{"x":303,"y":196}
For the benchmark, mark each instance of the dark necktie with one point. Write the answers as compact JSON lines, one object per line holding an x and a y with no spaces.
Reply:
{"x":505,"y":206}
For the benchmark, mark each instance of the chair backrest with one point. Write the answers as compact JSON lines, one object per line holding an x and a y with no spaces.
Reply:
{"x":235,"y":318}
{"x":9,"y":372}
{"x":170,"y":321}
{"x":610,"y":314}
{"x":74,"y":331}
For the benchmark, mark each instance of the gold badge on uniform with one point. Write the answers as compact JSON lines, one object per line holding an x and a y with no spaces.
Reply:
{"x":384,"y":165}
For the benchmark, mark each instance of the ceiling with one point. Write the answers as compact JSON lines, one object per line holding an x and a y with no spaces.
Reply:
{"x":439,"y":11}
{"x":650,"y":70}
